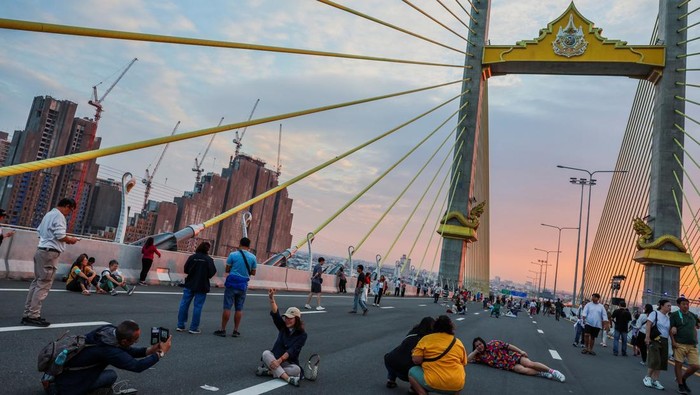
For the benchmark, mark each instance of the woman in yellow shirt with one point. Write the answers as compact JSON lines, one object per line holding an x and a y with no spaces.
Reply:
{"x":441,"y":359}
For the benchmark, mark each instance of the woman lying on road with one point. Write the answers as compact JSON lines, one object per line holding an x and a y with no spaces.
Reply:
{"x":501,"y":355}
{"x":283,"y":361}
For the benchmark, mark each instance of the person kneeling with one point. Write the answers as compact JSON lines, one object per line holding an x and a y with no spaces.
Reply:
{"x":108,"y":345}
{"x":398,"y":361}
{"x":283,"y":361}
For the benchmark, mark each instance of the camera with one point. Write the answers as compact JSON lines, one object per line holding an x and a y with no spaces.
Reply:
{"x":159,"y":334}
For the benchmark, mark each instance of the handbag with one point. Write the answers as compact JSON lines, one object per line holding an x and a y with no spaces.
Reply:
{"x":454,"y":339}
{"x":655,"y":333}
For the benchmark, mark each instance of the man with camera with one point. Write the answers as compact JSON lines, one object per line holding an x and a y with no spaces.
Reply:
{"x":109,"y":345}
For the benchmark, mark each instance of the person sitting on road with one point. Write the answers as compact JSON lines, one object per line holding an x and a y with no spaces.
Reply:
{"x":398,"y":361}
{"x":501,"y":355}
{"x":496,"y":309}
{"x":283,"y":361}
{"x":112,"y":278}
{"x":91,"y":272}
{"x":78,"y":278}
{"x":108,"y":345}
{"x":440,"y":359}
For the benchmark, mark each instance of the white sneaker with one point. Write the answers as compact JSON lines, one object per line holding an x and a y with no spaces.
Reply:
{"x":320,"y":308}
{"x":647,"y":382}
{"x":558,"y":376}
{"x":657,"y":385}
{"x":307,"y":306}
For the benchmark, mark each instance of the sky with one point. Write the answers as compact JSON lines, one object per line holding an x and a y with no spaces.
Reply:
{"x":536,"y":122}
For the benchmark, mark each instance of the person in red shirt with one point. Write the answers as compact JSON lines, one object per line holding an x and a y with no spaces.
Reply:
{"x":147,"y":251}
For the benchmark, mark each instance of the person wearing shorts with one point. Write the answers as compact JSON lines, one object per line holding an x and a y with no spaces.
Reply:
{"x":683,"y":334}
{"x":316,"y":281}
{"x":594,"y":318}
{"x":240,"y":265}
{"x":657,"y":356}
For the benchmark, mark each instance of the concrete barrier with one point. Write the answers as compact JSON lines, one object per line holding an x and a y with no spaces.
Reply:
{"x":17,"y":263}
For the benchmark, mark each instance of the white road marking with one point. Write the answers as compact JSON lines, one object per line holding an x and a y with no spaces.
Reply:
{"x":261,"y":388}
{"x":540,"y":331}
{"x":313,"y":312}
{"x":555,"y":354}
{"x":534,"y":322}
{"x":140,"y":290}
{"x":476,"y":313}
{"x":386,"y":307}
{"x":53,"y":326}
{"x":422,"y":305}
{"x":460,"y":319}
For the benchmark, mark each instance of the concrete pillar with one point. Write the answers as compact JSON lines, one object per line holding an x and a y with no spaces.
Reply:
{"x":663,"y":217}
{"x":454,"y":251}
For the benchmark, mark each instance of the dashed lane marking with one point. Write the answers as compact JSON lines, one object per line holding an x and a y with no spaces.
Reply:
{"x":476,"y":313}
{"x":313,"y":312}
{"x":261,"y":388}
{"x":540,"y":331}
{"x":422,"y":305}
{"x":386,"y":307}
{"x":555,"y":354}
{"x":534,"y":322}
{"x":460,"y":319}
{"x":52,"y":326}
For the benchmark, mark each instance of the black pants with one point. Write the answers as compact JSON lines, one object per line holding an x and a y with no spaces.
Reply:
{"x":396,"y":291}
{"x":642,"y":346}
{"x":145,"y":267}
{"x":341,"y":286}
{"x":378,"y":297}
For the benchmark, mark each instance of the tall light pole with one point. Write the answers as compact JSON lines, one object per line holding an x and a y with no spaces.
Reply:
{"x":539,"y":281}
{"x":591,"y":182}
{"x":546,"y":263}
{"x":556,"y":269}
{"x":582,"y":182}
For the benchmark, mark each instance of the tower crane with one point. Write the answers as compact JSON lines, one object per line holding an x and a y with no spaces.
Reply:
{"x":198,"y":169}
{"x":148,"y":180}
{"x":238,"y":141}
{"x":278,"y":169}
{"x":97,"y":103}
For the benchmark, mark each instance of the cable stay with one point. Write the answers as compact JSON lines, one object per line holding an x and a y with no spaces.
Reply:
{"x":436,"y":21}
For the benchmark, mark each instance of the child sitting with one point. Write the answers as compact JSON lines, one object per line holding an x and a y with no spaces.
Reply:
{"x":112,"y":278}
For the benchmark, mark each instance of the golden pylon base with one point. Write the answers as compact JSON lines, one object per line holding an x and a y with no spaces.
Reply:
{"x":663,"y":257}
{"x":458,"y":232}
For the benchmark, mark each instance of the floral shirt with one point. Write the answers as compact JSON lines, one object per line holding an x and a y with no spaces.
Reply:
{"x":497,"y":355}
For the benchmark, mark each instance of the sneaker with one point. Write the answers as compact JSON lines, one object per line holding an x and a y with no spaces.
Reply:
{"x":235,"y":334}
{"x":262,"y":371}
{"x":293,"y":380}
{"x":657,"y":385}
{"x":131,"y":290}
{"x":364,"y":312}
{"x":40,"y":322}
{"x":546,"y":375}
{"x":180,"y":329}
{"x":220,"y":332}
{"x":307,"y":306}
{"x":642,"y":363}
{"x":114,"y":292}
{"x":575,"y":345}
{"x":320,"y":308}
{"x":648,"y":382}
{"x":558,"y":376}
{"x":352,"y":311}
{"x":194,"y":331}
{"x":143,"y":283}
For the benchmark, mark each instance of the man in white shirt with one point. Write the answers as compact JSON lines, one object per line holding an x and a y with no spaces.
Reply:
{"x":4,"y":234}
{"x":594,"y":319}
{"x":52,"y":242}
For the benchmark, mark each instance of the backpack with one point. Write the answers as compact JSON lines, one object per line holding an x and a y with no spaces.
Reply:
{"x":72,"y":344}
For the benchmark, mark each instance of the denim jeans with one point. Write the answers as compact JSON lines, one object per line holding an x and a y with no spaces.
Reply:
{"x":617,"y":338}
{"x":579,"y":334}
{"x":199,"y":299}
{"x":358,"y":300}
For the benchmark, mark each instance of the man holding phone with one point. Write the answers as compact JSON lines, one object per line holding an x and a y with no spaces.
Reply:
{"x":108,"y":345}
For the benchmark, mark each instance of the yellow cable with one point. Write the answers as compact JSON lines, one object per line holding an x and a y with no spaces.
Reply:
{"x":695,"y":220}
{"x":376,"y":180}
{"x":436,"y":21}
{"x":381,"y":22}
{"x":400,"y":195}
{"x":158,"y":38}
{"x":87,"y":155}
{"x":305,"y":174}
{"x":453,"y":14}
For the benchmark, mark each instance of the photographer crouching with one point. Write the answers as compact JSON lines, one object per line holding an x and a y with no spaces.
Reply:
{"x":86,"y":372}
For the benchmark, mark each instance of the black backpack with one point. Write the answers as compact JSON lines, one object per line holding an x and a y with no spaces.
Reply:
{"x":71,"y":344}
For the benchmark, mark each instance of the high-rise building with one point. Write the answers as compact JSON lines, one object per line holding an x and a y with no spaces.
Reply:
{"x":104,"y":208}
{"x":4,"y":147}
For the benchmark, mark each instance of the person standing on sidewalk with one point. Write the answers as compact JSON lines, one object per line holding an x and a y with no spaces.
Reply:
{"x":199,"y":269}
{"x":621,"y":318}
{"x":147,"y":252}
{"x":359,"y":287}
{"x":52,"y":242}
{"x":379,"y":289}
{"x":593,"y":316}
{"x":316,"y":281}
{"x":684,"y":338}
{"x":657,"y":343}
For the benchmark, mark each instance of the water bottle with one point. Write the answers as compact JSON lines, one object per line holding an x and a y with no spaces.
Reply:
{"x":61,"y":358}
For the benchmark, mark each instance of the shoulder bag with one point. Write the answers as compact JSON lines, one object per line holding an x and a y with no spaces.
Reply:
{"x":454,"y":339}
{"x":655,"y":332}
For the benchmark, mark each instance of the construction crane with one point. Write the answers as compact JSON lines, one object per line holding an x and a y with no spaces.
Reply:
{"x":97,"y":103}
{"x":148,"y":180}
{"x":238,"y":141}
{"x":198,"y":163}
{"x":278,"y":169}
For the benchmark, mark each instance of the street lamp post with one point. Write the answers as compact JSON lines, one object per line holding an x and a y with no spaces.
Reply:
{"x":591,"y":182}
{"x":556,"y":268}
{"x":546,"y":263}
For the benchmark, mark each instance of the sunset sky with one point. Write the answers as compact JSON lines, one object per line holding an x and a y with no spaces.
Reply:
{"x":536,"y":122}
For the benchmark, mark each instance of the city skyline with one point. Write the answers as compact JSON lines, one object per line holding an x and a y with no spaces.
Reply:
{"x":531,"y":116}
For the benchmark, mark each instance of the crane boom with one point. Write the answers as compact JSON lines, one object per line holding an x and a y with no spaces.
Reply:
{"x":238,"y":141}
{"x":97,"y":103}
{"x":148,"y":180}
{"x":278,"y":169}
{"x":199,"y":162}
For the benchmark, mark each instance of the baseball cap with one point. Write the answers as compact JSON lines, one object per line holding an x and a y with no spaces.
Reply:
{"x":292,"y":312}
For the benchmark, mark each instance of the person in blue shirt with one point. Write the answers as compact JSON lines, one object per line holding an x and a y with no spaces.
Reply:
{"x":240,"y":265}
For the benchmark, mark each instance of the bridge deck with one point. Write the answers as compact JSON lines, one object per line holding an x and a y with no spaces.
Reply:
{"x":351,"y":346}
